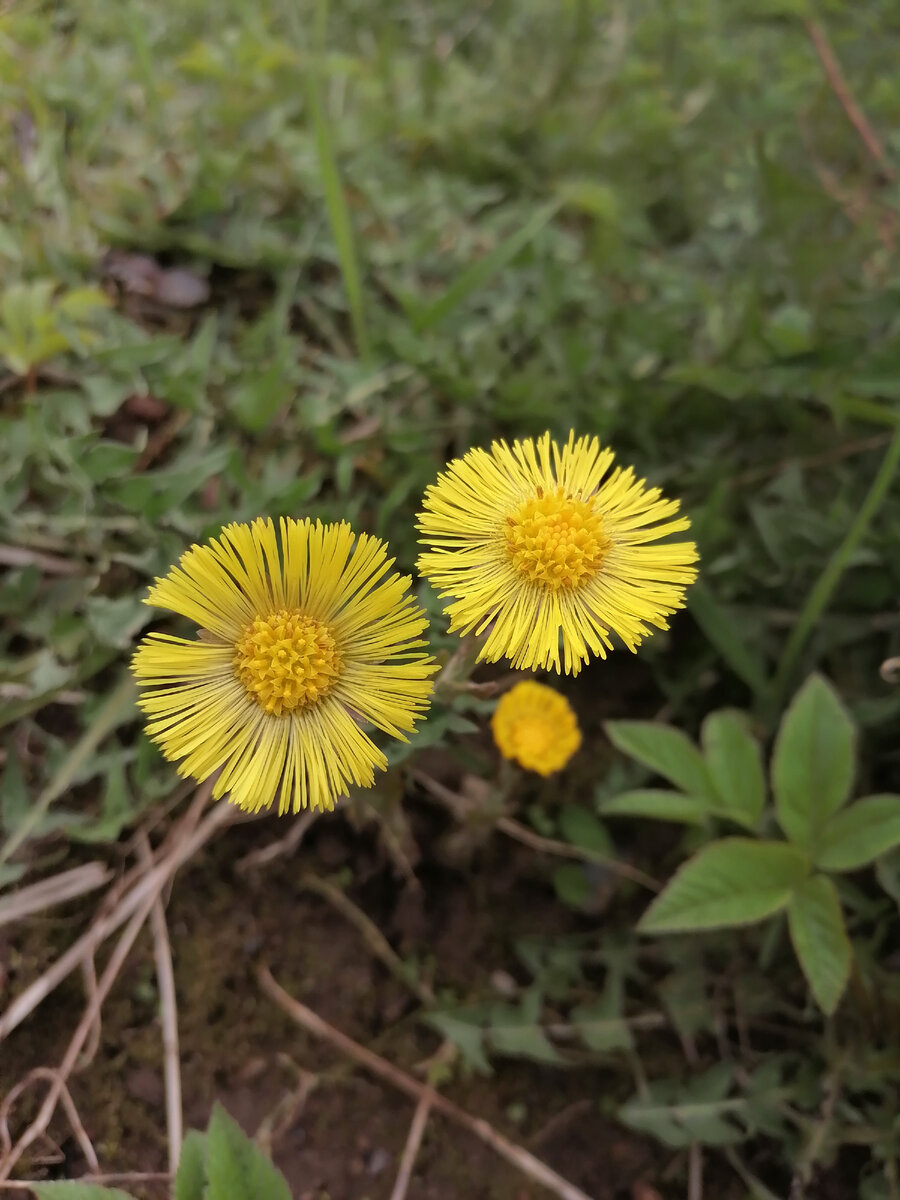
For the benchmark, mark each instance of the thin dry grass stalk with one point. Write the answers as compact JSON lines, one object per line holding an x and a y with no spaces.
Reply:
{"x":37,"y":897}
{"x":168,"y":1015}
{"x":517,"y":1155}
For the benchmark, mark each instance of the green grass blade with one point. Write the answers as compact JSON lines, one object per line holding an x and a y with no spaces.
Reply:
{"x":724,"y":635}
{"x":478,"y":273}
{"x":335,"y":198}
{"x":820,"y":594}
{"x":108,"y":717}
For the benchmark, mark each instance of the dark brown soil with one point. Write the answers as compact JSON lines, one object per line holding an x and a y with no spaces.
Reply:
{"x":239,"y":1048}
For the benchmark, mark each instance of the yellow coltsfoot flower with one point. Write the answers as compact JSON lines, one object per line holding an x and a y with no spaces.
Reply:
{"x":553,"y":551}
{"x":536,"y":726}
{"x":304,"y":638}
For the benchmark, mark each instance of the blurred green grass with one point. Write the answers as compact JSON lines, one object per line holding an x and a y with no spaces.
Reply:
{"x":421,"y":227}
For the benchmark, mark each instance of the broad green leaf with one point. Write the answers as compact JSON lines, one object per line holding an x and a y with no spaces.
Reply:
{"x":887,"y":872}
{"x":235,"y":1168}
{"x":735,"y":881}
{"x":82,"y":302}
{"x":580,"y":827}
{"x":666,"y":751}
{"x":255,"y":401}
{"x":592,"y":197}
{"x":734,"y":762}
{"x":812,"y":765}
{"x":859,"y":834}
{"x":572,"y":886}
{"x":820,"y":940}
{"x":63,"y":1190}
{"x":658,"y":804}
{"x":190,"y":1179}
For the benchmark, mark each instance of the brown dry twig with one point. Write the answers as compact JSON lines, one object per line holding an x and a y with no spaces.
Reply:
{"x":460,"y":807}
{"x":411,"y":1149}
{"x":87,"y":1149}
{"x":276,"y":1123}
{"x":560,"y":1120}
{"x":371,"y":934}
{"x":841,"y":89}
{"x":517,"y":1155}
{"x":45,"y":1114}
{"x":67,"y":885}
{"x":282,"y":847}
{"x":168,"y":1016}
{"x":695,"y":1172}
{"x":89,"y":975}
{"x":847,"y":450}
{"x":162,"y":439}
{"x":184,"y":841}
{"x":50,"y":564}
{"x":26,"y":1185}
{"x":521,"y":833}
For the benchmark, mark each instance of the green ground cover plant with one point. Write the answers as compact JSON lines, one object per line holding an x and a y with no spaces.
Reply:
{"x":291,"y":259}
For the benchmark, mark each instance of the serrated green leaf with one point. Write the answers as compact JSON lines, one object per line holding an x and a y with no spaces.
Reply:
{"x":664,"y":750}
{"x":190,"y":1179}
{"x":467,"y":1036}
{"x":736,"y":881}
{"x":601,"y":1025}
{"x":813,"y":761}
{"x":63,"y":1190}
{"x":700,"y":1110}
{"x":516,"y":1034}
{"x":859,"y":834}
{"x":659,"y":805}
{"x":820,"y":940}
{"x":734,"y":761}
{"x":117,"y":810}
{"x":114,"y":622}
{"x":235,"y":1167}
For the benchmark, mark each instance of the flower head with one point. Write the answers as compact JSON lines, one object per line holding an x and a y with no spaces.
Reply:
{"x":547,"y":545}
{"x":536,"y":726}
{"x":304,"y":638}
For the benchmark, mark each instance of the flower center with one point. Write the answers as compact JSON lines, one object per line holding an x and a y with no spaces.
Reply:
{"x":286,"y":661}
{"x":535,"y":736}
{"x":556,"y":540}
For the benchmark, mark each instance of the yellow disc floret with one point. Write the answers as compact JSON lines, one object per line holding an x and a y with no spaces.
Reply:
{"x":286,"y":660}
{"x":556,"y":540}
{"x":536,"y":726}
